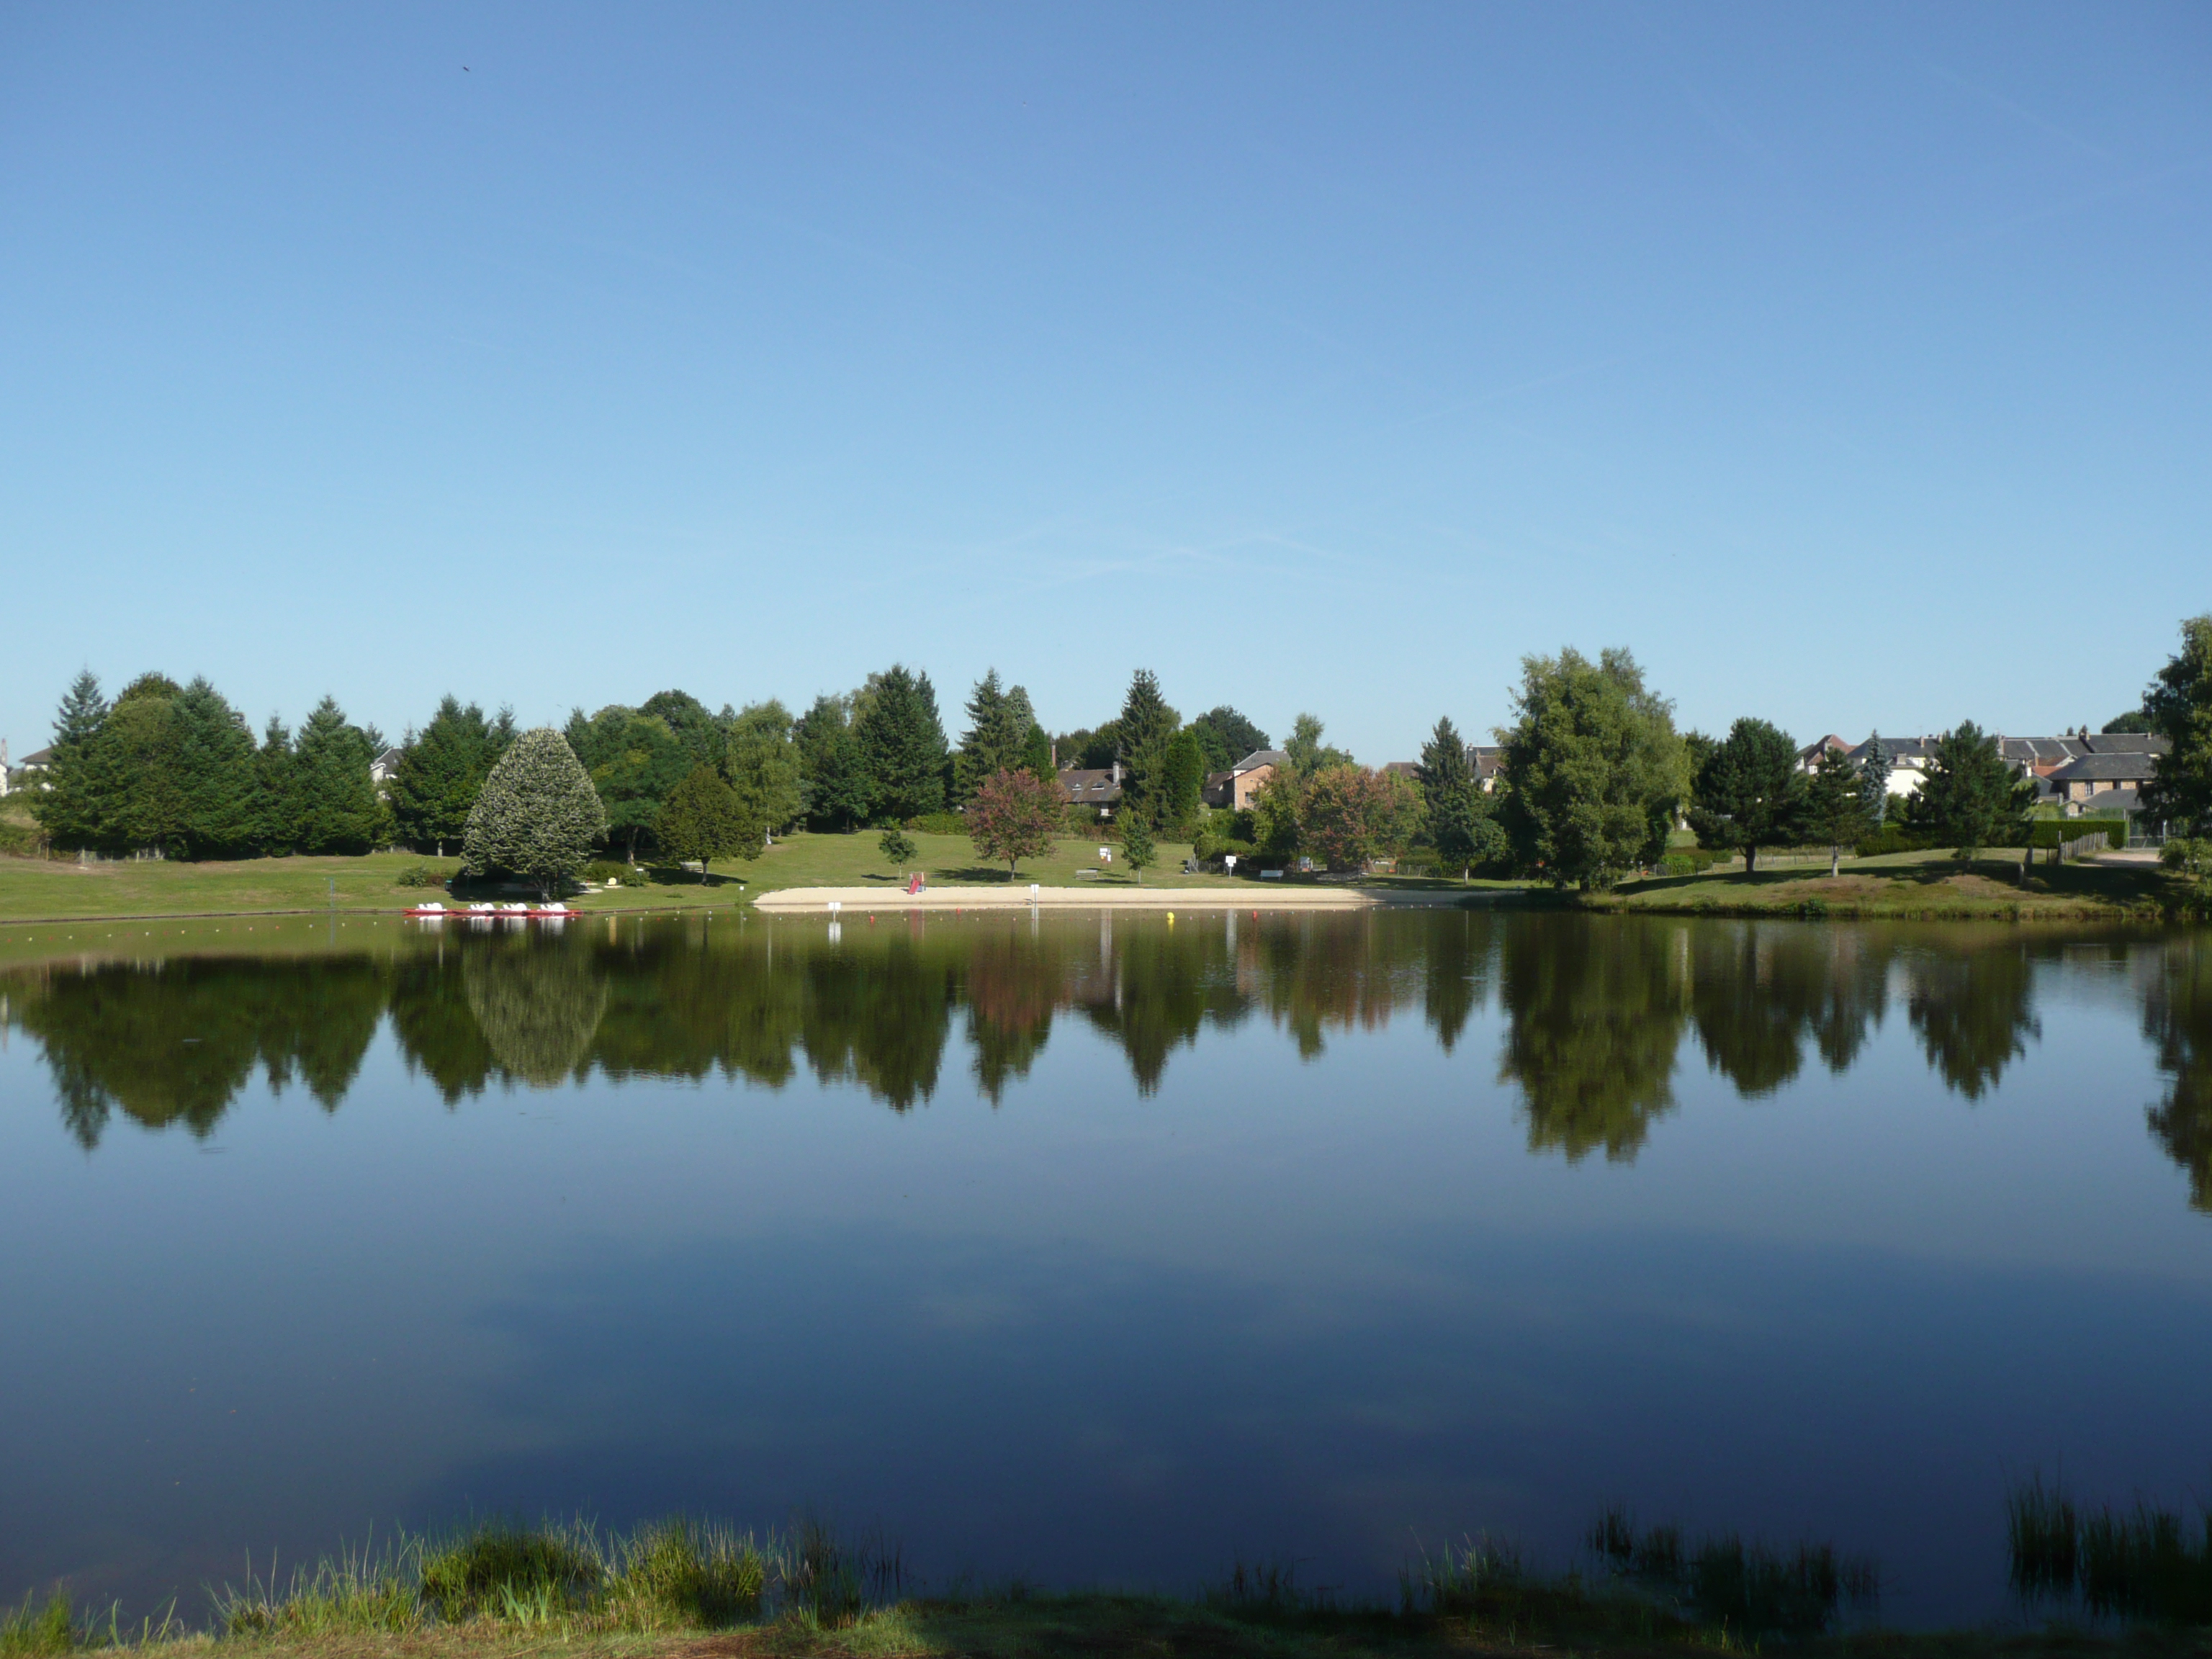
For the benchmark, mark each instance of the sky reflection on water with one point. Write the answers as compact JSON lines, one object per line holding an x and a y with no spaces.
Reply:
{"x":1103,"y":1248}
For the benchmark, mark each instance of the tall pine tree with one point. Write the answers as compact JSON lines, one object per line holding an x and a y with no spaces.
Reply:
{"x":67,"y":805}
{"x":334,"y":804}
{"x":1146,"y":725}
{"x":274,"y":769}
{"x":220,"y":783}
{"x":1449,"y":794}
{"x":998,"y":728}
{"x":903,"y":742}
{"x":1873,"y":782}
{"x":441,"y":768}
{"x":138,"y":772}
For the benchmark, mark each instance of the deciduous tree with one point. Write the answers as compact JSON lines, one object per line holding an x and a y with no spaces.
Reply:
{"x":762,"y":766}
{"x":706,"y":819}
{"x":1348,"y":814}
{"x":1593,"y":767}
{"x":1013,"y":816}
{"x":1237,"y":736}
{"x":538,"y":815}
{"x":2179,"y":705}
{"x":634,"y":762}
{"x":1749,"y":792}
{"x":833,"y":772}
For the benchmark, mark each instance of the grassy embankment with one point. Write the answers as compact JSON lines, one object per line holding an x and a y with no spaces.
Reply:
{"x":34,"y":889}
{"x":1916,"y":886}
{"x":692,"y":1590}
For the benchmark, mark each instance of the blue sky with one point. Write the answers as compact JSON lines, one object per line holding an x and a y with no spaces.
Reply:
{"x":1847,"y":364}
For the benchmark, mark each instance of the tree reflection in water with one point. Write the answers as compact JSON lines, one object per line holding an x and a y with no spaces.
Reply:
{"x":1595,"y":1010}
{"x":1972,"y":1004}
{"x":175,"y":1041}
{"x":1592,"y":1010}
{"x":2178,"y":1020}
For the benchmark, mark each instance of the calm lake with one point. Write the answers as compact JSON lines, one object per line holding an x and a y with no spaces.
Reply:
{"x":1097,"y":1249}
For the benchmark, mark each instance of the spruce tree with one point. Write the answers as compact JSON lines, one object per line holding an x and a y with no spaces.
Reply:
{"x":1037,"y":755}
{"x":705,"y":819}
{"x":997,"y":725}
{"x":1181,"y":778}
{"x":334,"y":804}
{"x":219,"y":782}
{"x":440,"y":769}
{"x":1835,"y":805}
{"x":274,"y":770}
{"x":1138,"y":847}
{"x":139,"y":774}
{"x":1145,"y":725}
{"x":1448,"y":795}
{"x":1873,"y":782}
{"x":68,"y":804}
{"x":538,"y":815}
{"x":902,"y":743}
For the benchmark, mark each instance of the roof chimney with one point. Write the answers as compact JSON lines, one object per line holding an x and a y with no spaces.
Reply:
{"x":1117,"y":771}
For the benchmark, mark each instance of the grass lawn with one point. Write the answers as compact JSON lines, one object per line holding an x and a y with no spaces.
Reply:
{"x":1912,"y":884}
{"x":33,"y":890}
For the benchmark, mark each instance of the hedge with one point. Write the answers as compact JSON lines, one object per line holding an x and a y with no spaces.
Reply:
{"x":2048,"y":833}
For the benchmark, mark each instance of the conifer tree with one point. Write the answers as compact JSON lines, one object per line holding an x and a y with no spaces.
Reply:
{"x":1145,"y":725}
{"x":1182,"y":777}
{"x":274,"y":770}
{"x":1037,"y":755}
{"x":440,"y":769}
{"x":67,"y":805}
{"x":538,"y":815}
{"x":334,"y":804}
{"x":998,"y":727}
{"x":138,"y":774}
{"x":903,"y":742}
{"x":1835,"y":805}
{"x":1873,"y":782}
{"x":705,"y":819}
{"x":218,"y":780}
{"x":1970,"y":796}
{"x":1448,"y":795}
{"x":1749,"y":792}
{"x":1138,"y":847}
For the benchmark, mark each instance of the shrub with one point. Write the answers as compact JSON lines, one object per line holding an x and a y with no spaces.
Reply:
{"x":426,"y":875}
{"x":599,"y":871}
{"x":1891,"y":839}
{"x":17,"y":840}
{"x":484,"y":1571}
{"x":1690,"y":861}
{"x":938,"y":823}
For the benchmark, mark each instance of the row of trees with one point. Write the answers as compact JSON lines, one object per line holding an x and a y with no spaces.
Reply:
{"x":175,"y":769}
{"x":1593,"y":779}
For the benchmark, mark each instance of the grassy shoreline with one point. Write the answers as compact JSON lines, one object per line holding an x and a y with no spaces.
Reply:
{"x":1925,"y":887}
{"x":687,"y":1586}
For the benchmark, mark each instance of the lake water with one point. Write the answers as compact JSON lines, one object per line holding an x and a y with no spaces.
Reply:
{"x":1099,"y":1249}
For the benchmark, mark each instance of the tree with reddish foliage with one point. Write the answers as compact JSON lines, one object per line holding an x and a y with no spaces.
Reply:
{"x":1348,"y":815}
{"x":1013,"y":816}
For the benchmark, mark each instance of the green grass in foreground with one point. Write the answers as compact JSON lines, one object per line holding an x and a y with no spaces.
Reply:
{"x":499,"y":1588}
